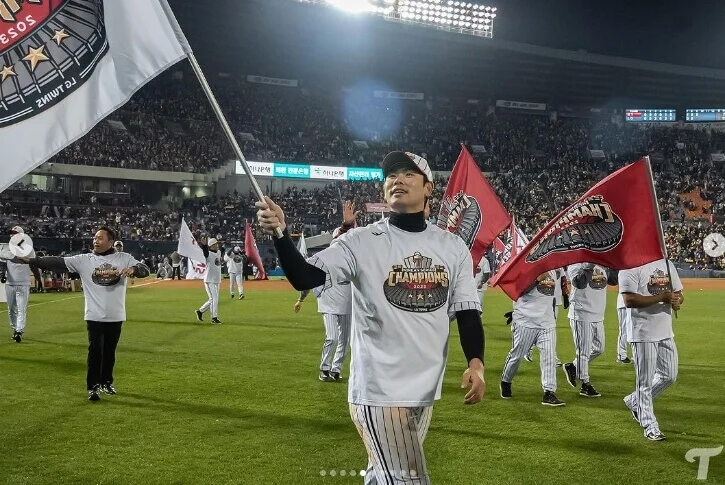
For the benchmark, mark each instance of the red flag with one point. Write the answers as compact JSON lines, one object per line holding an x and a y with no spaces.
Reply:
{"x":471,"y":209}
{"x":615,"y":224}
{"x":250,"y":247}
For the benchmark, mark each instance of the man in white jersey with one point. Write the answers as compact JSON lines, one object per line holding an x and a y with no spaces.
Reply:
{"x":561,"y":296}
{"x":650,"y":297}
{"x":103,"y":273}
{"x":533,"y":323}
{"x":409,"y":278}
{"x":483,"y":273}
{"x":235,"y":265}
{"x":16,"y":277}
{"x":335,"y":304}
{"x":587,"y":303}
{"x":212,"y":279}
{"x":118,"y":246}
{"x":622,"y":315}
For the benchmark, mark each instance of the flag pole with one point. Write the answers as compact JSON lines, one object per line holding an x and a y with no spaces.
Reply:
{"x":660,"y":232}
{"x":215,"y":105}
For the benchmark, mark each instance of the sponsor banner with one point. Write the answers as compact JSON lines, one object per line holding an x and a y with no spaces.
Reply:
{"x":264,"y":169}
{"x":356,"y":173}
{"x":274,"y":81}
{"x":717,"y":157}
{"x":291,"y":171}
{"x":502,"y":103}
{"x":377,"y":207}
{"x":399,"y":95}
{"x":328,"y":173}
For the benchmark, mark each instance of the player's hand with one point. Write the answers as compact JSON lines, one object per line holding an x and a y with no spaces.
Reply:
{"x":668,"y":298}
{"x":349,"y":215}
{"x":270,"y":216}
{"x":203,"y":240}
{"x":298,"y":306}
{"x":542,"y":277}
{"x":479,"y":286}
{"x":677,"y":300}
{"x":127,"y":272}
{"x":473,"y":377}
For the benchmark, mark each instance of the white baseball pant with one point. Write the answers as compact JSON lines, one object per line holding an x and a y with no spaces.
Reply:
{"x":212,"y":289}
{"x":655,"y":369}
{"x":337,"y":336}
{"x":523,"y":339}
{"x":623,"y":315}
{"x":393,"y":438}
{"x":238,"y":279}
{"x":589,"y":344}
{"x":17,"y":297}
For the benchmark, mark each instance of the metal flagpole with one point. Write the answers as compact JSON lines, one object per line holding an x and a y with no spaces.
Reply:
{"x":215,"y":105}
{"x":661,"y":233}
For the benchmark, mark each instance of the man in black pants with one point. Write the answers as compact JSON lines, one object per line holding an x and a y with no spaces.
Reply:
{"x":103,"y":273}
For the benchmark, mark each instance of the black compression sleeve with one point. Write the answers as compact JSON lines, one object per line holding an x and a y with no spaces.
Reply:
{"x":204,"y":249}
{"x":301,"y":274}
{"x":50,"y":263}
{"x":470,"y":329}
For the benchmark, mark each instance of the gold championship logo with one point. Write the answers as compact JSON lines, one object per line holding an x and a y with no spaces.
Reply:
{"x":417,"y":285}
{"x":461,"y":215}
{"x":591,"y":224}
{"x":48,"y":49}
{"x":106,"y":275}
{"x":658,"y":283}
{"x":599,"y":279}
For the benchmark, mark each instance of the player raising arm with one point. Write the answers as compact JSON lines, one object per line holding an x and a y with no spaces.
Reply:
{"x":408,"y":278}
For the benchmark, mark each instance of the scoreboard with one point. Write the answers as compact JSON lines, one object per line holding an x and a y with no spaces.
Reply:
{"x":705,"y":115}
{"x":651,"y":115}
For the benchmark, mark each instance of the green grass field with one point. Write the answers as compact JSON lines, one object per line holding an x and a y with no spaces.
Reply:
{"x":240,"y":403}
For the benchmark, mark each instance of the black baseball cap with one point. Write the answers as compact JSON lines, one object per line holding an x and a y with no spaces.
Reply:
{"x":397,"y":160}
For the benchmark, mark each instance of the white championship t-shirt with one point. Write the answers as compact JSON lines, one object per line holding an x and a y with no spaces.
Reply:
{"x":588,"y":304}
{"x":535,"y":309}
{"x":235,"y":262}
{"x":103,"y":287}
{"x":406,"y":284}
{"x":652,"y":323}
{"x":213,"y":267}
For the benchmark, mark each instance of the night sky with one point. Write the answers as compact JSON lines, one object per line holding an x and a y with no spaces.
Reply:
{"x":684,"y":32}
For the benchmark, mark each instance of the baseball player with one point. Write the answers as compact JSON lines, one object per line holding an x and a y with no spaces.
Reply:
{"x":212,"y":279}
{"x":235,"y":263}
{"x":335,"y":304}
{"x":650,"y":297}
{"x":408,"y":279}
{"x":622,"y":315}
{"x":118,"y":246}
{"x":587,"y":303}
{"x":534,"y":323}
{"x":561,"y":296}
{"x":483,"y":273}
{"x":16,"y":277}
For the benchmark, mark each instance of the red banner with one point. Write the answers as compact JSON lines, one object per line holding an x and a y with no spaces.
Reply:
{"x":471,"y":209}
{"x":250,"y":248}
{"x":615,"y":224}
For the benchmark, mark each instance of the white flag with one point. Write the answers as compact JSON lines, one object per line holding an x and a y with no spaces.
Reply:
{"x":195,"y":270}
{"x":188,"y":246}
{"x":67,"y":64}
{"x":302,"y":246}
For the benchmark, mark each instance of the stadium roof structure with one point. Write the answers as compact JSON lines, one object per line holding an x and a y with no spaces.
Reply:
{"x":281,"y":38}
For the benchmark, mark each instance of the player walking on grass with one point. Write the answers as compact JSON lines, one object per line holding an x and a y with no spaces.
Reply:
{"x":650,"y":297}
{"x":622,"y":316}
{"x":16,"y":277}
{"x":103,"y":273}
{"x":534,"y":324}
{"x":408,"y":278}
{"x":212,"y":279}
{"x":235,"y":265}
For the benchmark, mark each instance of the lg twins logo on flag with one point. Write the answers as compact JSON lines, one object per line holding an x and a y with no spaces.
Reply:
{"x":461,"y":215}
{"x":590,"y":224}
{"x":48,"y":49}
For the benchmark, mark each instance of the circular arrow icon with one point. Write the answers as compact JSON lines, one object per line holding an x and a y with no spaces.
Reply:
{"x":714,"y":245}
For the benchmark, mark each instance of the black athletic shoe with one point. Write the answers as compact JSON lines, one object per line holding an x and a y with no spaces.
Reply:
{"x":655,"y":435}
{"x":635,"y":416}
{"x":18,"y":337}
{"x":108,"y":389}
{"x":335,"y":376}
{"x":199,"y":316}
{"x":626,"y":360}
{"x":506,"y":390}
{"x":95,"y":394}
{"x":550,"y":399}
{"x":241,"y":297}
{"x":325,"y":376}
{"x":570,"y":372}
{"x":232,"y":297}
{"x":216,"y":321}
{"x":588,"y":390}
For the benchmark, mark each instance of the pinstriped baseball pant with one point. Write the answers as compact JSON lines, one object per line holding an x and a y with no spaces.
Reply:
{"x":655,"y":369}
{"x":337,"y":336}
{"x":393,"y":438}
{"x":589,"y":344}
{"x":523,"y":339}
{"x":622,"y":338}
